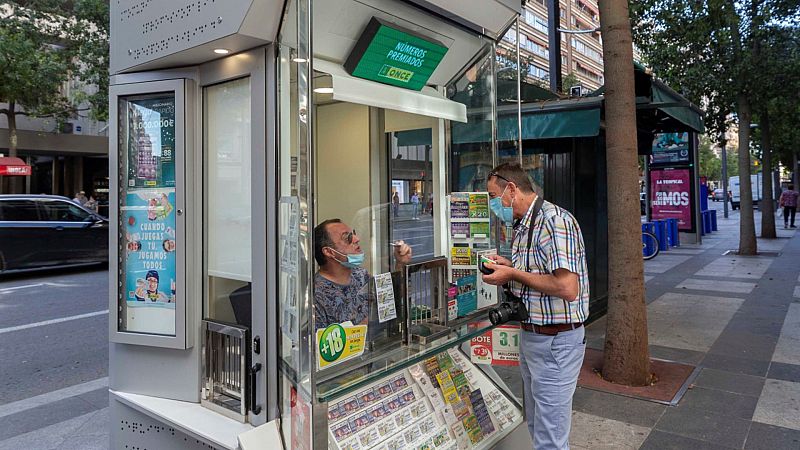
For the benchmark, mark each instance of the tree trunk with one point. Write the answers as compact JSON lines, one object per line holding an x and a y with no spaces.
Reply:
{"x":747,"y":226}
{"x":626,"y":359}
{"x":767,"y":203}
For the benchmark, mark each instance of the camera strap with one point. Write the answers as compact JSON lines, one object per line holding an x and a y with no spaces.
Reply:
{"x":537,"y":206}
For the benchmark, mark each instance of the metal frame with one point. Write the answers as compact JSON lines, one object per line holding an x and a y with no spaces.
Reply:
{"x":184,"y":115}
{"x":254,"y":64}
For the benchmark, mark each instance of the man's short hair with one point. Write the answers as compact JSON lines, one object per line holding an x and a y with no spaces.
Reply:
{"x":791,"y":187}
{"x":513,"y":173}
{"x":322,"y":239}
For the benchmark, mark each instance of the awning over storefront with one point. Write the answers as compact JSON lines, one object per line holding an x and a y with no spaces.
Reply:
{"x":427,"y":102}
{"x":13,"y":167}
{"x":676,"y":106}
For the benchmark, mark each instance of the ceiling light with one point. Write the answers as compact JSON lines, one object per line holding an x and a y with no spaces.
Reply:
{"x":221,"y":51}
{"x":324,"y":90}
{"x":299,"y":60}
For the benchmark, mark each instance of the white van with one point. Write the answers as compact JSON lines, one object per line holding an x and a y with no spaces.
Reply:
{"x":733,"y":186}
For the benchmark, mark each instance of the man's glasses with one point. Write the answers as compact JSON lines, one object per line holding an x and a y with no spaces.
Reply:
{"x":348,"y":237}
{"x":495,"y":174}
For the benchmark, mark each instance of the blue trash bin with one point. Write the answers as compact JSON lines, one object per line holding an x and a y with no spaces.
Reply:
{"x":706,"y":222}
{"x":672,"y":234}
{"x":661,"y":234}
{"x":714,"y":220}
{"x":649,"y":227}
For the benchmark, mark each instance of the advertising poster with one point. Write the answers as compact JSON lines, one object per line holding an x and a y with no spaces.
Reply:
{"x":670,"y":196}
{"x":151,"y":142}
{"x":498,"y":347}
{"x":149,"y":226}
{"x":459,"y":205}
{"x":670,"y":148}
{"x":479,"y":206}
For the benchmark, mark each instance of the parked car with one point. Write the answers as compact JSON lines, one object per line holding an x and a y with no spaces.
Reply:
{"x":718,"y":195}
{"x":41,"y":231}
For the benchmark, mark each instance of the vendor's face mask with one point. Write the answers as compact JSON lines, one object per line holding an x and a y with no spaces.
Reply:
{"x":352,"y":261}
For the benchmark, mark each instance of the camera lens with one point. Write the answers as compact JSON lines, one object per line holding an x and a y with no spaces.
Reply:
{"x":501,"y":314}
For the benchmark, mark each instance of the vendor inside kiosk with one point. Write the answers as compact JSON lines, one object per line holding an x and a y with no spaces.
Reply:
{"x":320,"y":240}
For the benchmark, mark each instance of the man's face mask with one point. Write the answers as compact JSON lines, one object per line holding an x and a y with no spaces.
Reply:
{"x":353,"y":261}
{"x":505,"y":213}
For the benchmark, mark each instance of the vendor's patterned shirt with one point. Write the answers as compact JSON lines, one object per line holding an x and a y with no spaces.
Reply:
{"x":337,"y":303}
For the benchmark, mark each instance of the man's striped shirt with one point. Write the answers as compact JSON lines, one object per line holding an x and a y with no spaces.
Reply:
{"x":556,"y":243}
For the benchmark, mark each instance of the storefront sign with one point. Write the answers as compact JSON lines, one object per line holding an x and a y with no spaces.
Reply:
{"x":670,"y":195}
{"x":338,"y":343}
{"x":671,"y":148}
{"x":151,"y":142}
{"x":389,"y":54}
{"x":149,"y":224}
{"x":498,"y":347}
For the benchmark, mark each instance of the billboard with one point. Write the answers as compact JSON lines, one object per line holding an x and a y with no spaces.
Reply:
{"x":671,"y":196}
{"x":671,"y":148}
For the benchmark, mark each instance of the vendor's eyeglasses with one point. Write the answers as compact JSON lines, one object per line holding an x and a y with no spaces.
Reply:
{"x":348,"y":237}
{"x":495,"y":174}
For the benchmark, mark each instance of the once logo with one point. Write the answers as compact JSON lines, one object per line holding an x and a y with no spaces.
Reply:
{"x":395,"y":73}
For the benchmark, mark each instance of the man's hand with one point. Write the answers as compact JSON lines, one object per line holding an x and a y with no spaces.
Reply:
{"x":500,"y":260}
{"x":402,"y":253}
{"x":502,"y":274}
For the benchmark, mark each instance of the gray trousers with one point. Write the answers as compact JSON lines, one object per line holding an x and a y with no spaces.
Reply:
{"x":550,"y":366}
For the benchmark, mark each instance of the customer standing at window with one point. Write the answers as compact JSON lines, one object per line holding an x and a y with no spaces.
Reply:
{"x":548,"y":272}
{"x":415,"y":206}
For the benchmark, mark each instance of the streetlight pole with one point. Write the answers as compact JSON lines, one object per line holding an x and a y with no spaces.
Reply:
{"x":724,"y":180}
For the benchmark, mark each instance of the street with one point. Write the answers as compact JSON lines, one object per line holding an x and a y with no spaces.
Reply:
{"x":54,"y":348}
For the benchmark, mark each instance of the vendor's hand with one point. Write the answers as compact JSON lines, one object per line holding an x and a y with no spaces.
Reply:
{"x":500,"y":260}
{"x":402,"y":253}
{"x":502,"y":274}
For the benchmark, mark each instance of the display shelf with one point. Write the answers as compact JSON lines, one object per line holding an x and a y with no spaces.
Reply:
{"x":351,"y":376}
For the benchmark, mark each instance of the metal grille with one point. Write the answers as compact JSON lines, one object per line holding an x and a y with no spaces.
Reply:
{"x":225,"y":369}
{"x":426,"y":300}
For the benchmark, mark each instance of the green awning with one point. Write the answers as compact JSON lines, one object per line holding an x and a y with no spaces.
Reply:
{"x":676,"y":106}
{"x":414,"y":137}
{"x":553,"y":124}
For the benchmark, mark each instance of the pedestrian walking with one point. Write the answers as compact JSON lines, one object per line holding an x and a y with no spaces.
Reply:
{"x":80,"y":198}
{"x":548,"y":273}
{"x":395,"y":204}
{"x":788,"y":201}
{"x":415,"y":206}
{"x":91,"y":204}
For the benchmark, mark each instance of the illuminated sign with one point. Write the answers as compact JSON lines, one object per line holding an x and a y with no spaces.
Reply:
{"x":392,"y":55}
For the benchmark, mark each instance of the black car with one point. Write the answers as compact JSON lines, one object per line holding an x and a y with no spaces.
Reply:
{"x":40,"y":231}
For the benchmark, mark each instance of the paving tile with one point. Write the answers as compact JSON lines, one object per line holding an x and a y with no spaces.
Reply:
{"x":734,"y":287}
{"x":46,"y":437}
{"x":727,"y":403}
{"x":782,"y":371}
{"x":779,"y":404}
{"x":648,"y":278}
{"x":736,"y":365}
{"x":85,"y":443}
{"x":661,"y":440}
{"x":664,"y":262}
{"x":705,"y":426}
{"x":676,"y":354}
{"x":98,"y":398}
{"x":617,"y":407}
{"x":796,"y":293}
{"x":769,"y":437}
{"x":730,"y":382}
{"x":56,"y":412}
{"x":687,"y":321}
{"x":788,"y":348}
{"x":752,"y":267}
{"x":745,"y":345}
{"x":593,"y":432}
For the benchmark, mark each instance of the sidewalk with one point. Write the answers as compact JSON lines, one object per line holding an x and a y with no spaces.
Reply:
{"x":738,"y":319}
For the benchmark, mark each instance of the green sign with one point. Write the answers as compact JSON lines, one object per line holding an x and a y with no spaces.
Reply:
{"x":392,"y":55}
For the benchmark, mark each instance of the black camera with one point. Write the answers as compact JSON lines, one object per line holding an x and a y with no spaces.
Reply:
{"x":513,"y":309}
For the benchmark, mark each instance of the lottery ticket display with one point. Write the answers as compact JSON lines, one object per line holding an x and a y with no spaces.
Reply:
{"x":441,"y":403}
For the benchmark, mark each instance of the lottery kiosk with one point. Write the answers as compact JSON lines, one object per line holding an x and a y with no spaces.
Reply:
{"x":236,"y":129}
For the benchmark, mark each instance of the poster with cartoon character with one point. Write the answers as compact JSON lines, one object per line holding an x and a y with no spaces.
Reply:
{"x":149,"y":224}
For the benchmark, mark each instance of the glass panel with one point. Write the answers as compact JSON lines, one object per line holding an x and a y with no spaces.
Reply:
{"x":227,"y":210}
{"x":147,"y":214}
{"x":508,"y":60}
{"x":472,"y":142}
{"x":57,"y":211}
{"x":411,"y":190}
{"x":18,"y":211}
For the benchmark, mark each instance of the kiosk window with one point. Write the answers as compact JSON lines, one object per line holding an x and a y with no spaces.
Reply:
{"x":227,"y":201}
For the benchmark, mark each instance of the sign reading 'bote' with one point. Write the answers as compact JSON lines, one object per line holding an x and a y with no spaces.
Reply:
{"x":389,"y":54}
